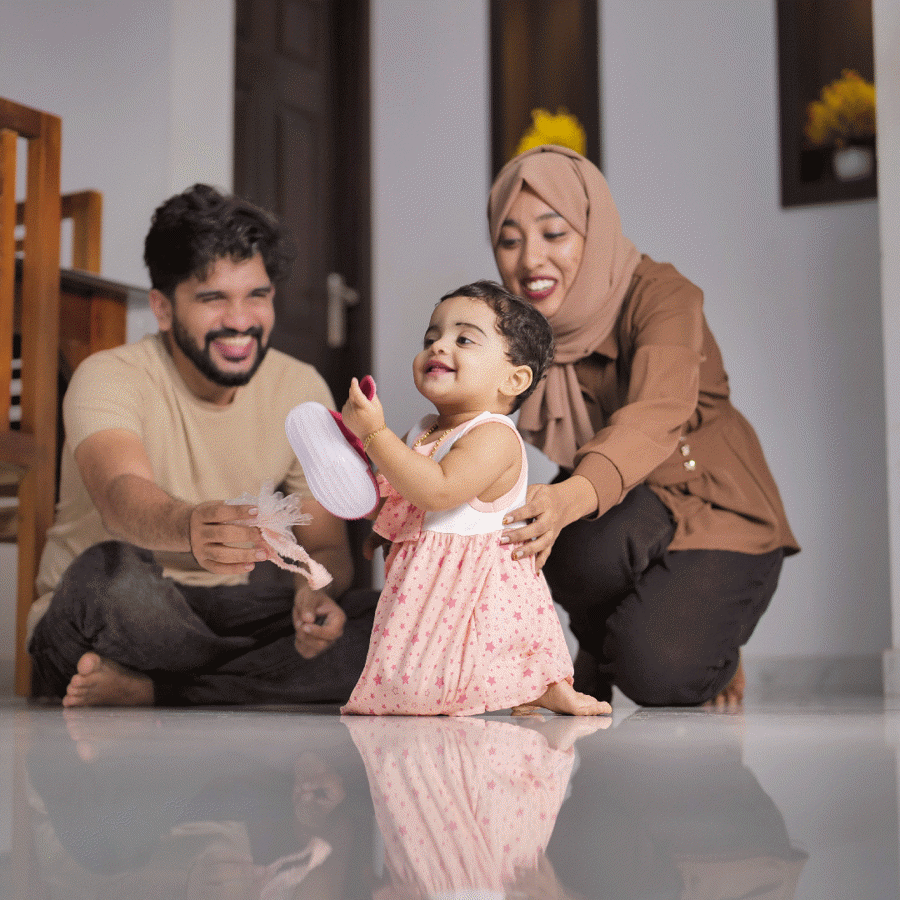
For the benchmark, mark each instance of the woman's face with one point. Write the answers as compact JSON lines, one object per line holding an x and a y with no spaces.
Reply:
{"x":538,"y":253}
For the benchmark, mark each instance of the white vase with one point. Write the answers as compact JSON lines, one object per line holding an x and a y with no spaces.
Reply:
{"x":853,"y":162}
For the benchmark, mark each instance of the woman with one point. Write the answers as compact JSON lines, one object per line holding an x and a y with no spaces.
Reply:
{"x":664,"y":534}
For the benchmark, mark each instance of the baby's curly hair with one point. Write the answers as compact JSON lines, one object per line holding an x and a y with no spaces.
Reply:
{"x":528,"y":335}
{"x":191,"y":231}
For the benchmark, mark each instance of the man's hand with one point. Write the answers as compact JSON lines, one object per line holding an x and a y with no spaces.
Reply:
{"x":218,"y":544}
{"x":372,"y":542}
{"x":118,"y":475}
{"x":318,"y":622}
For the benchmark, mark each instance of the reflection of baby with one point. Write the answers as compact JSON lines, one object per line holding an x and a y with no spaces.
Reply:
{"x":465,"y":806}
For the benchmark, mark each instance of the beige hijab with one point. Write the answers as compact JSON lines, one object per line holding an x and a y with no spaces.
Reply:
{"x":554,"y":418}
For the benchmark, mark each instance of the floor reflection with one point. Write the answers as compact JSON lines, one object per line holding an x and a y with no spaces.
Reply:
{"x":653,"y":817}
{"x":278,"y":805}
{"x":144,"y":806}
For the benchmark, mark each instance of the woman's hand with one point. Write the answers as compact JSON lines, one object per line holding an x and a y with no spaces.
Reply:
{"x":547,"y":510}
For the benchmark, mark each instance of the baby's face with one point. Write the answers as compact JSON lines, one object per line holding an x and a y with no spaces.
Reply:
{"x":463,"y":365}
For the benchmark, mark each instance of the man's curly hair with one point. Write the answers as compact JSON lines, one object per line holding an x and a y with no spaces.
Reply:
{"x":191,"y":231}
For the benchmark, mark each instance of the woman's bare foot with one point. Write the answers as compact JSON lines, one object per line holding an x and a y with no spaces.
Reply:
{"x":101,"y":682}
{"x":732,"y":697}
{"x":563,"y":698}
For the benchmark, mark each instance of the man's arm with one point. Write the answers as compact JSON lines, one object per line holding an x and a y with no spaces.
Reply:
{"x":119,"y":478}
{"x":325,"y":539}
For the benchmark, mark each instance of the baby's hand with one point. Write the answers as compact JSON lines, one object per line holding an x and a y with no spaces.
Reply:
{"x":361,"y":415}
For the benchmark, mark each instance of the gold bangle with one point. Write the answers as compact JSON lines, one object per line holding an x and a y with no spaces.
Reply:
{"x":369,"y":437}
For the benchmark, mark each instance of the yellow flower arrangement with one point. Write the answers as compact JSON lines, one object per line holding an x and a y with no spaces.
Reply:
{"x":845,"y":112}
{"x":562,"y":129}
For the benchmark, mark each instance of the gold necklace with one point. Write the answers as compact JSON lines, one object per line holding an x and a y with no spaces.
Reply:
{"x":437,"y":443}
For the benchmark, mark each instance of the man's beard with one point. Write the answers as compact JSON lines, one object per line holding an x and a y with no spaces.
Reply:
{"x":203,"y":361}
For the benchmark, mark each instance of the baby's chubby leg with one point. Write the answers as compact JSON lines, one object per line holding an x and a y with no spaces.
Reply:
{"x":562,"y":698}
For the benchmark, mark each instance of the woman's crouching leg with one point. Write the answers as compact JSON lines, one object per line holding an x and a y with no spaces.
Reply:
{"x":676,"y":639}
{"x":593,"y":568}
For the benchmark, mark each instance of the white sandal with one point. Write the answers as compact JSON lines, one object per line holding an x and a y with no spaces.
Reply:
{"x":336,"y":467}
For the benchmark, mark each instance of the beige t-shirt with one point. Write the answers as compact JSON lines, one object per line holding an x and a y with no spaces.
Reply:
{"x":198,"y":451}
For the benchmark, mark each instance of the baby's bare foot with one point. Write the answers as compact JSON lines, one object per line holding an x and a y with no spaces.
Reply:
{"x":563,"y":698}
{"x":101,"y":682}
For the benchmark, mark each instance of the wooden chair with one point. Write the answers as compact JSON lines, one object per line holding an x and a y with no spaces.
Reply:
{"x":31,"y":450}
{"x":85,"y":210}
{"x":91,"y":316}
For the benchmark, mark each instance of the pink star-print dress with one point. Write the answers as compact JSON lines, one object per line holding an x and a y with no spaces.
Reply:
{"x":461,"y":627}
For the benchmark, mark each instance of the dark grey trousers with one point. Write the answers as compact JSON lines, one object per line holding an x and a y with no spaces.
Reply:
{"x":664,"y":626}
{"x":214,"y":646}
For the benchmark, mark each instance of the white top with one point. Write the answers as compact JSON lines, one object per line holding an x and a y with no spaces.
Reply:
{"x":473,"y":517}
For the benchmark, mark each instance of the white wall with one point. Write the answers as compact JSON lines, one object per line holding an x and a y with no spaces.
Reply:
{"x":430,"y":176}
{"x":690,"y":138}
{"x":887,"y":76}
{"x":145,"y":93}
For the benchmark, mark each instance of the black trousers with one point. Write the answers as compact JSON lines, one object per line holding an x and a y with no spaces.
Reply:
{"x":215,"y":646}
{"x":664,"y":626}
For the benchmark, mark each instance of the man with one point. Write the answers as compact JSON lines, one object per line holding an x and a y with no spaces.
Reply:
{"x":146,"y":569}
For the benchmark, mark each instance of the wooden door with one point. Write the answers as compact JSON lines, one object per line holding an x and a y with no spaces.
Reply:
{"x":302,"y":151}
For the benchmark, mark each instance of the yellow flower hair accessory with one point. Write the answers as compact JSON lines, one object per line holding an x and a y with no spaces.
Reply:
{"x":562,"y":129}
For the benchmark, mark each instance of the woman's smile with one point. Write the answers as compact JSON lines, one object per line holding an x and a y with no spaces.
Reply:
{"x":534,"y":289}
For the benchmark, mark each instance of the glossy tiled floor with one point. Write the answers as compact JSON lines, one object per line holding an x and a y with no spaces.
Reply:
{"x":781,"y":801}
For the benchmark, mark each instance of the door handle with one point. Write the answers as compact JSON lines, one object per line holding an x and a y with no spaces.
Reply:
{"x":340,"y":296}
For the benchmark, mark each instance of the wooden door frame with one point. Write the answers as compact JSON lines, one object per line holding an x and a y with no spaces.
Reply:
{"x":527,"y":41}
{"x":352,"y":121}
{"x":351,"y":202}
{"x":353,"y":158}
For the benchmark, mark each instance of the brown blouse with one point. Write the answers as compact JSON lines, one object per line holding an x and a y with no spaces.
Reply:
{"x":658,"y":395}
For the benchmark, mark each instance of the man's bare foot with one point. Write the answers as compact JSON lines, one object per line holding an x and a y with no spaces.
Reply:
{"x":101,"y":682}
{"x":732,"y":697}
{"x":563,"y":698}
